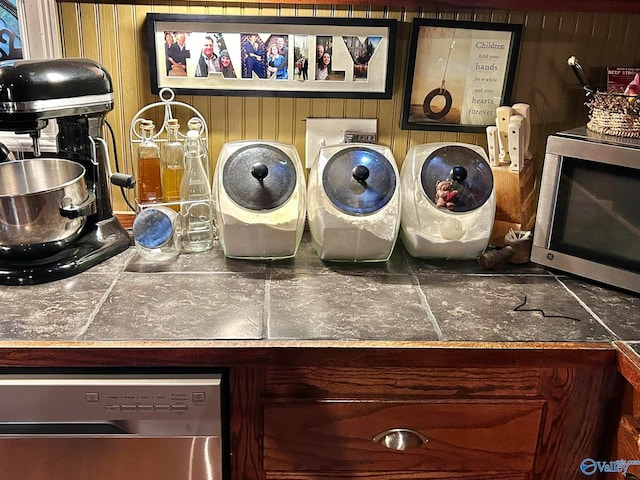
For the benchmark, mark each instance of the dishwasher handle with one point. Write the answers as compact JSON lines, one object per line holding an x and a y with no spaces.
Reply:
{"x":58,"y":428}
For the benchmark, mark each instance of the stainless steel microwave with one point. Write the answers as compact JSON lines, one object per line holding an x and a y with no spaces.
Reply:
{"x":588,"y":216}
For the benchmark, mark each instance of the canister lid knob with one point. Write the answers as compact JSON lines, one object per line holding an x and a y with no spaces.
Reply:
{"x":360,"y":173}
{"x":458,"y":174}
{"x":259,"y":171}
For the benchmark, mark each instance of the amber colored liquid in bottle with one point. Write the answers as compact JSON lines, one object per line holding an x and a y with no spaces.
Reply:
{"x":171,"y":178}
{"x":149,"y":182}
{"x":172,"y":165}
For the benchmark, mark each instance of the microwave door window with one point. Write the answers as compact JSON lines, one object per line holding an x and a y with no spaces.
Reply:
{"x":597,"y":213}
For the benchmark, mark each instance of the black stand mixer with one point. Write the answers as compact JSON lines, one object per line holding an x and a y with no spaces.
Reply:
{"x":78,"y":94}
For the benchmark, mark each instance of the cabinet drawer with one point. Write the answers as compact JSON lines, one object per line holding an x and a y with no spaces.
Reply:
{"x":386,"y":381}
{"x":461,"y":435}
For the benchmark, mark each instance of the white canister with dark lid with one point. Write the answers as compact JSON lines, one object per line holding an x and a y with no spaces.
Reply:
{"x":448,"y":200}
{"x":354,"y":203}
{"x":259,"y":192}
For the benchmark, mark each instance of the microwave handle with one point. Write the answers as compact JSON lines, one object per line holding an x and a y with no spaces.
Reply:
{"x":547,"y":199}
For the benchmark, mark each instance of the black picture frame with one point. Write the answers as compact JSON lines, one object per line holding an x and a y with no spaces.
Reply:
{"x":360,"y":55}
{"x":458,"y":89}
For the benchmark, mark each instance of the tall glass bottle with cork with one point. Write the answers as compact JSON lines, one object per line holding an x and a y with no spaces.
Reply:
{"x":172,"y":165}
{"x":195,"y":197}
{"x":194,"y":123}
{"x":149,"y":184}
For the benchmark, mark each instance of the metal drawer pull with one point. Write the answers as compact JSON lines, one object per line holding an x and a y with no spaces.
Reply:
{"x":400,"y":439}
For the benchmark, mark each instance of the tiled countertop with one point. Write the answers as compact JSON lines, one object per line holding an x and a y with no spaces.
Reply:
{"x":208,"y":297}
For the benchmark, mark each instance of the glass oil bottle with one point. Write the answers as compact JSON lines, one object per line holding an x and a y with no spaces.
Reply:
{"x":194,"y":123}
{"x":172,"y":166}
{"x":195,"y":197}
{"x":149,"y":183}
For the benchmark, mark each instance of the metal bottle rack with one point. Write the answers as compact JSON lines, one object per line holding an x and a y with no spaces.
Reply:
{"x":135,"y":134}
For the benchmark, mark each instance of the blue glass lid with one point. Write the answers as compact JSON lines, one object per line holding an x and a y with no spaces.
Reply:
{"x":259,"y":177}
{"x":359,"y":180}
{"x":456,"y":178}
{"x":152,"y":228}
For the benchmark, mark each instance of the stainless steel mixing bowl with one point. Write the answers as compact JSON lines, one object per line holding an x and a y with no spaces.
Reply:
{"x":43,"y":206}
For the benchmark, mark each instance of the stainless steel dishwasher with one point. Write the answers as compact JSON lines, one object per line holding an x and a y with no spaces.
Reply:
{"x":116,"y":427}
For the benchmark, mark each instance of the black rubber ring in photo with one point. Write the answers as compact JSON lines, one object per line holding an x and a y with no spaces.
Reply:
{"x":426,"y":106}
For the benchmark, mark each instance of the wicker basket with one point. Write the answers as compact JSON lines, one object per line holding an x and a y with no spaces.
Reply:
{"x":614,"y":114}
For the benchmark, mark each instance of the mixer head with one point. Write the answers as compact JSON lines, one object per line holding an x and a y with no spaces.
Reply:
{"x":34,"y":91}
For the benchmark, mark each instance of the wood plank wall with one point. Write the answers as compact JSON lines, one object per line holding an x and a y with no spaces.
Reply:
{"x":113,"y":33}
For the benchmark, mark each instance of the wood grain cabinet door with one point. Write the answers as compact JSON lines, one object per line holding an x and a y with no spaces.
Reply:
{"x":627,"y":449}
{"x":459,"y":436}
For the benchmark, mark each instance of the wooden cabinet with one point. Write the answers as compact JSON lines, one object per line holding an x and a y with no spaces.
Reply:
{"x":628,"y":444}
{"x":306,"y":410}
{"x":625,"y":451}
{"x":479,"y":423}
{"x":623,"y":461}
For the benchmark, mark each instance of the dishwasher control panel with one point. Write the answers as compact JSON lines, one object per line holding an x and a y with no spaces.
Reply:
{"x":149,"y":399}
{"x":186,"y":404}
